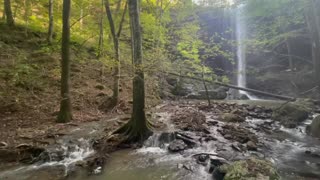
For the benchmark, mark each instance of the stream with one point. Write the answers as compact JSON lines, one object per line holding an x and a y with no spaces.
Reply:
{"x":295,"y":154}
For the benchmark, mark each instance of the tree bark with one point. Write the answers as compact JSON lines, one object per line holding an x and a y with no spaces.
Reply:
{"x":81,"y":17}
{"x":8,"y":11}
{"x":313,"y":21}
{"x":50,"y":28}
{"x":291,"y":66}
{"x":100,"y":53}
{"x":115,"y":36}
{"x":137,"y":129}
{"x":3,"y":12}
{"x":65,"y":114}
{"x":116,"y":71}
{"x":138,"y":119}
{"x":205,"y":86}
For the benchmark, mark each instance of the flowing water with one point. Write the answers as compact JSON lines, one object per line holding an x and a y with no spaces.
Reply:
{"x":294,"y":153}
{"x":241,"y":36}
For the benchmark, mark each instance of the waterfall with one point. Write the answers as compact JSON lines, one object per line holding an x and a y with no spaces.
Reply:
{"x":241,"y":35}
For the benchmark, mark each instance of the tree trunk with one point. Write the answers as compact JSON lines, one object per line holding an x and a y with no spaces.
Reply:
{"x":313,"y":21}
{"x":50,"y":28}
{"x":3,"y":12}
{"x":81,"y":20}
{"x":100,"y":53}
{"x":316,"y":48}
{"x":137,"y":129}
{"x":291,"y":66}
{"x":8,"y":11}
{"x":65,"y":114}
{"x":115,"y":36}
{"x":116,"y":71}
{"x":118,"y":6}
{"x":81,"y":15}
{"x":205,"y":86}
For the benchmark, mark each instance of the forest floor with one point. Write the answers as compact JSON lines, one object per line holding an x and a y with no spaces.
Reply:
{"x":30,"y":87}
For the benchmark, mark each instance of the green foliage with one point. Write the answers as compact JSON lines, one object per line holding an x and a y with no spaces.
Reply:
{"x":273,"y":21}
{"x":171,"y":35}
{"x":250,"y":169}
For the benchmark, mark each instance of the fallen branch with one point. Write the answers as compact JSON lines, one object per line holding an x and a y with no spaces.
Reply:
{"x":288,"y":98}
{"x":303,"y":93}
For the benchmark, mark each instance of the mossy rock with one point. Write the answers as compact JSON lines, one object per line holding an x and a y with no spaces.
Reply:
{"x":100,"y":87}
{"x":291,"y":114}
{"x":315,"y":127}
{"x":230,"y":117}
{"x":250,"y":169}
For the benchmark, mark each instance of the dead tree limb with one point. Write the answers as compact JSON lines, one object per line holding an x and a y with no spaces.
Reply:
{"x":288,"y":98}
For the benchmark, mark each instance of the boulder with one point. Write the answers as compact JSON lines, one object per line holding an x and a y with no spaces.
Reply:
{"x":180,"y":89}
{"x":250,"y":169}
{"x":177,"y":146}
{"x":100,"y":87}
{"x":3,"y":145}
{"x":251,"y":146}
{"x":314,"y":128}
{"x":218,"y":94}
{"x":8,"y":155}
{"x":230,"y":117}
{"x":291,"y":114}
{"x":243,"y":97}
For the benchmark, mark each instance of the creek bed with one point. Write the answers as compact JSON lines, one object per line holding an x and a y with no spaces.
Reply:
{"x":294,"y":153}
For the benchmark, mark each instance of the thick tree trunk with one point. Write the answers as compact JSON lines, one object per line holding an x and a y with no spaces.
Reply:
{"x":139,"y":120}
{"x":8,"y":11}
{"x":65,"y":114}
{"x":137,"y":129}
{"x":50,"y":28}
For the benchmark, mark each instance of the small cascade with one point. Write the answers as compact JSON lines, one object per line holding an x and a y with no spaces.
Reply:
{"x":241,"y":35}
{"x":68,"y":153}
{"x":63,"y":155}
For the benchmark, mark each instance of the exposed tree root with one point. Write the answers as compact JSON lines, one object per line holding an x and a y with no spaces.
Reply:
{"x":135,"y":131}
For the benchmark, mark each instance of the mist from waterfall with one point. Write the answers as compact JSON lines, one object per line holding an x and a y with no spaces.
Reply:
{"x":241,"y":35}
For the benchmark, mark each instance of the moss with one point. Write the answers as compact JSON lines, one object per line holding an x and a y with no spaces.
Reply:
{"x":315,"y":127}
{"x":291,"y":114}
{"x":250,"y":169}
{"x":230,"y":117}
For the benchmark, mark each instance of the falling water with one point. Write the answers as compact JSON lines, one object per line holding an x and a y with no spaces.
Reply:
{"x":241,"y":49}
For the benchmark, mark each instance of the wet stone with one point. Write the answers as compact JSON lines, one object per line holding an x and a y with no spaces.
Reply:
{"x":177,"y":146}
{"x":231,"y":117}
{"x":212,"y":123}
{"x":189,"y":167}
{"x":209,"y":138}
{"x":238,"y":133}
{"x":3,"y":145}
{"x":203,"y":159}
{"x":252,"y":146}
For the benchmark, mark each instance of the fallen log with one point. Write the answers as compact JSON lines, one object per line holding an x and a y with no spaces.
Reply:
{"x":287,"y":98}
